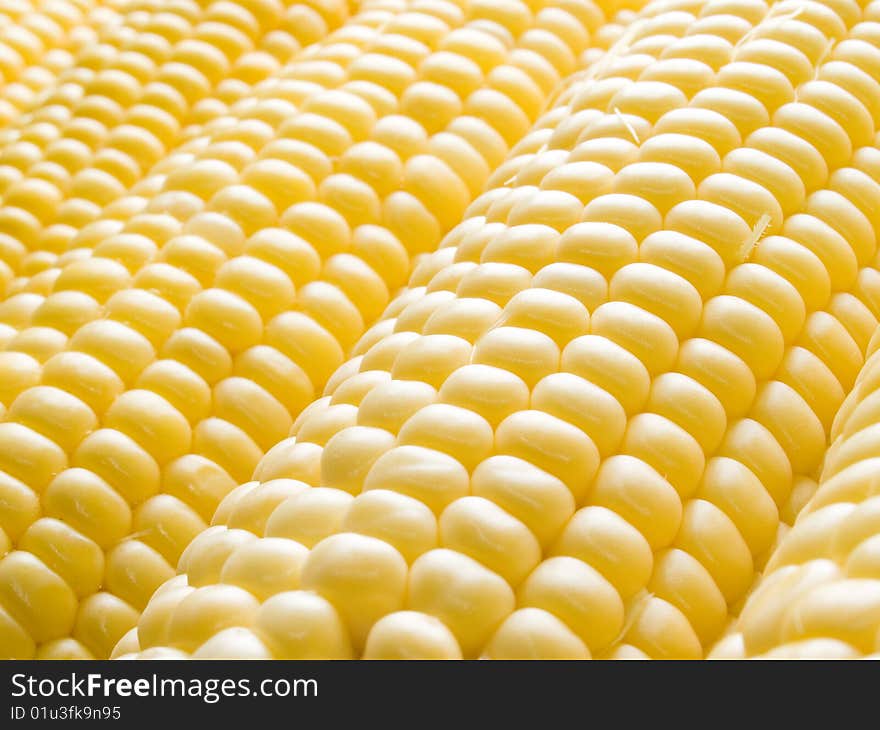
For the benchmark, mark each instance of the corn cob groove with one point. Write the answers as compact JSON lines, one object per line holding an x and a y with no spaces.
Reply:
{"x":251,"y":300}
{"x":581,"y":429}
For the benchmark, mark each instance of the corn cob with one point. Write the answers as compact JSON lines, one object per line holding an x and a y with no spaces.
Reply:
{"x":178,"y":432}
{"x":601,"y":386}
{"x":527,"y":622}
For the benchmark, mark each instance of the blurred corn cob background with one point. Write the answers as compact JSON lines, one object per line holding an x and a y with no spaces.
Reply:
{"x":439,"y":329}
